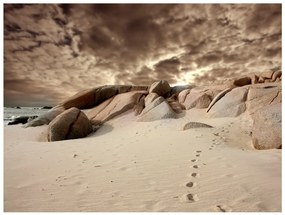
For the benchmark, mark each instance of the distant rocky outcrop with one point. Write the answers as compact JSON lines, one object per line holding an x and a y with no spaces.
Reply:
{"x":70,"y":124}
{"x":21,"y":120}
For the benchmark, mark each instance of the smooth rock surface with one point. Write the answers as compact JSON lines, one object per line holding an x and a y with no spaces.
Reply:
{"x":267,"y":132}
{"x":70,"y":124}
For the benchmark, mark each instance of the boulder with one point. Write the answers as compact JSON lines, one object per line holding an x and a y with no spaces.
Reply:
{"x":276,"y":75}
{"x":242,"y":81}
{"x":191,"y":125}
{"x":114,"y":106}
{"x":218,"y":97}
{"x":46,"y":118}
{"x":70,"y":124}
{"x":261,"y":95}
{"x":267,"y":75}
{"x":254,"y":79}
{"x":197,"y":100}
{"x":176,"y":106}
{"x":261,"y":79}
{"x":157,"y":110}
{"x":150,"y":98}
{"x":161,"y":88}
{"x":177,"y":89}
{"x":182,"y":95}
{"x":140,"y":104}
{"x":92,"y":97}
{"x":230,"y":105}
{"x":267,"y":132}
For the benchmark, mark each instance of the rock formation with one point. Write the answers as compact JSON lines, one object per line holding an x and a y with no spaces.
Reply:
{"x":70,"y":124}
{"x":245,"y":95}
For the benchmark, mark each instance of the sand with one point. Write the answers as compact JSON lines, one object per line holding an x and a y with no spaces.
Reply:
{"x":142,"y":167}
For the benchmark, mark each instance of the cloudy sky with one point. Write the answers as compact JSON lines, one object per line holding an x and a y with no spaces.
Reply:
{"x":53,"y":51}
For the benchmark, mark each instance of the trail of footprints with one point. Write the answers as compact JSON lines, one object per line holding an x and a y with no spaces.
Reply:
{"x":190,"y":197}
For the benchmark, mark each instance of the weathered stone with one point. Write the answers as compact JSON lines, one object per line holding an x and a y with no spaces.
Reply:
{"x":266,"y":133}
{"x":153,"y":104}
{"x":218,"y":97}
{"x":191,"y":125}
{"x":261,"y":95}
{"x":158,"y":112}
{"x":176,"y":106}
{"x":254,"y":79}
{"x":230,"y":105}
{"x":261,"y":79}
{"x":139,"y":105}
{"x":161,"y":88}
{"x":92,"y":97}
{"x":46,"y":118}
{"x":276,"y":74}
{"x":114,"y":106}
{"x":70,"y":124}
{"x":182,"y":95}
{"x":197,"y":100}
{"x":242,"y":81}
{"x":267,"y":75}
{"x":150,"y":98}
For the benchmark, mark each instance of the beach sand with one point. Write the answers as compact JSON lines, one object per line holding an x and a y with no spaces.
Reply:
{"x":142,"y":166}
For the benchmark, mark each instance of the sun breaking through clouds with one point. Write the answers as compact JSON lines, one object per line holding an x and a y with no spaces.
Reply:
{"x":53,"y":51}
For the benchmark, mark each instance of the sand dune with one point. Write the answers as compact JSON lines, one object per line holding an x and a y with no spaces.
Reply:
{"x":145,"y":166}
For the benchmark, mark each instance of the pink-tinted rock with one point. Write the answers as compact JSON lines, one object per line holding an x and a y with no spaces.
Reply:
{"x":267,"y":75}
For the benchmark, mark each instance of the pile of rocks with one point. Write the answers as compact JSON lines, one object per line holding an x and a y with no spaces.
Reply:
{"x":258,"y":96}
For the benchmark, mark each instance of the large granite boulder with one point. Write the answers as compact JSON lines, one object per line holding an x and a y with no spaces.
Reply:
{"x":150,"y":98}
{"x":267,"y":132}
{"x":92,"y":97}
{"x":156,"y":110}
{"x":161,"y":88}
{"x":46,"y":118}
{"x":114,"y":106}
{"x":197,"y":100}
{"x":182,"y":95}
{"x":230,"y":105}
{"x":261,"y":95}
{"x":70,"y":124}
{"x":218,"y":97}
{"x":276,"y":75}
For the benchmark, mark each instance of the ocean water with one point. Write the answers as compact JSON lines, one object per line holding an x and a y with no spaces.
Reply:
{"x":11,"y":113}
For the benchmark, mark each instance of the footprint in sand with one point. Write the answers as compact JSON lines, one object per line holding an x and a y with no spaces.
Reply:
{"x":223,"y":208}
{"x":195,"y":175}
{"x":190,"y":198}
{"x":194,"y":160}
{"x":190,"y":184}
{"x":198,"y":151}
{"x":198,"y":155}
{"x":196,"y":166}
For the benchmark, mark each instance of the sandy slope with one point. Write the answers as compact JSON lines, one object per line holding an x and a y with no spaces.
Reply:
{"x":142,"y":166}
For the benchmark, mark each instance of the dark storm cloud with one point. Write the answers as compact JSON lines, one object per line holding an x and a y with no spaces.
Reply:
{"x":66,"y":48}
